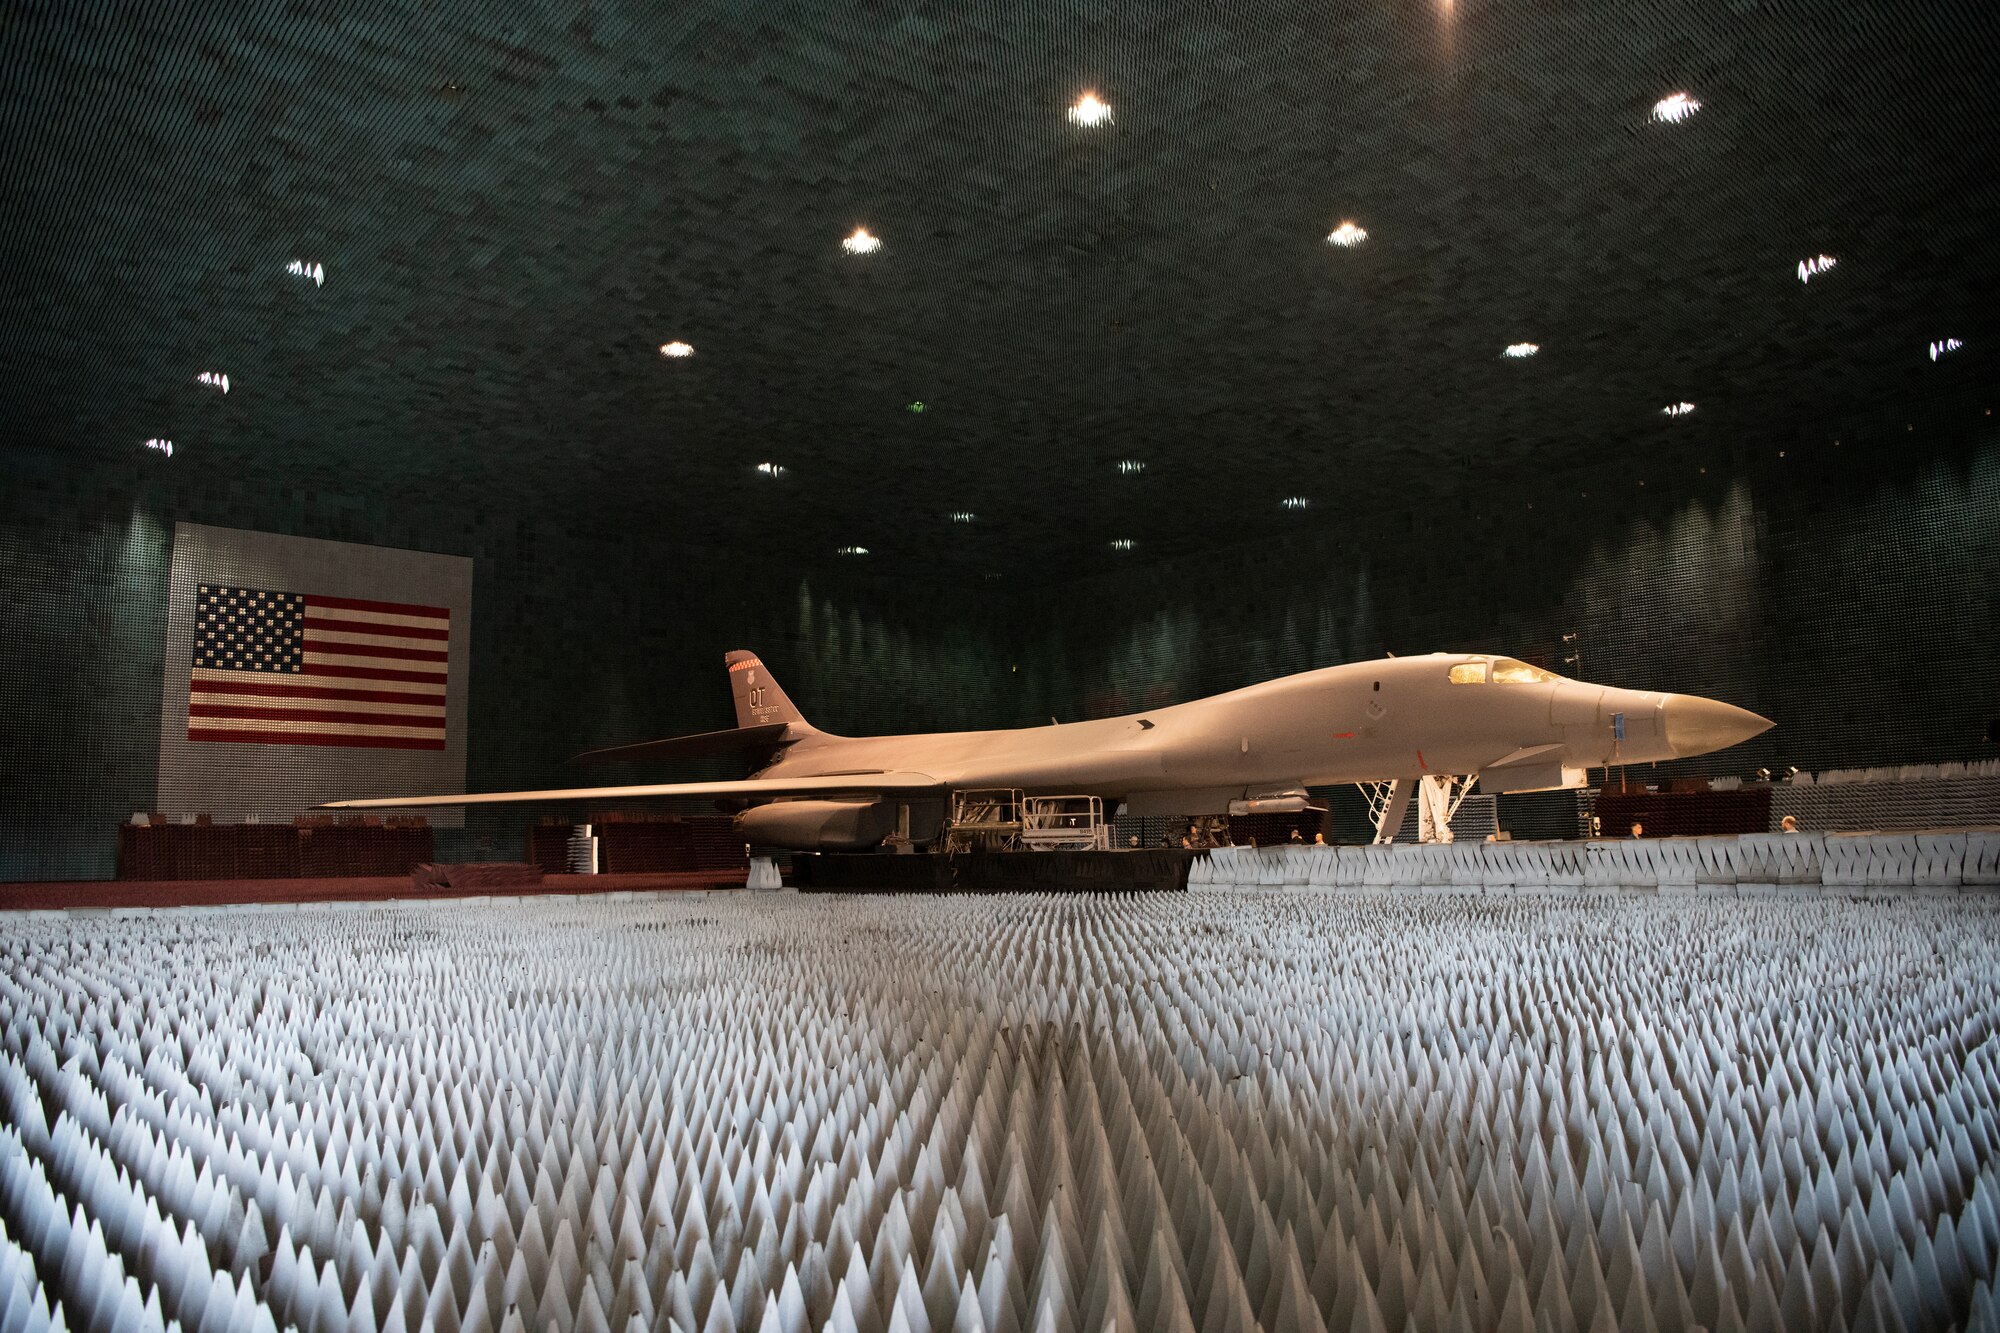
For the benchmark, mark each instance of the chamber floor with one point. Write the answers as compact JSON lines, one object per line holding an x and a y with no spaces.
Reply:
{"x":1283,"y":1110}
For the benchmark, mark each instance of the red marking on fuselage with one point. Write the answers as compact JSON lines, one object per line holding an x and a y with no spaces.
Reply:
{"x":1420,"y":762}
{"x":1343,"y":735}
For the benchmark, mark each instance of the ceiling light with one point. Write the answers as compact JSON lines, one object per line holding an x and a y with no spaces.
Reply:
{"x":917,"y":407}
{"x":1808,"y":268}
{"x":1122,"y":544}
{"x":962,"y":516}
{"x":772,"y":469}
{"x":1945,"y":345}
{"x":1295,"y":502}
{"x":1519,"y":350}
{"x":1678,"y":409}
{"x":1129,"y":466}
{"x":852,"y":550}
{"x":676,"y":349}
{"x":861,"y":242}
{"x":1675,"y":108}
{"x":161,"y":447}
{"x":299,"y":268}
{"x":1347,"y":235}
{"x":214,"y":377}
{"x":1090,"y":110}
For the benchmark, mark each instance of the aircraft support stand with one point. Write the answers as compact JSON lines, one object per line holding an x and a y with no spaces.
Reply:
{"x":1388,"y":802}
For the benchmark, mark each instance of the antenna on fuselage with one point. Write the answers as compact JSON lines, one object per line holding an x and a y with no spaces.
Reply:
{"x":1573,"y":659}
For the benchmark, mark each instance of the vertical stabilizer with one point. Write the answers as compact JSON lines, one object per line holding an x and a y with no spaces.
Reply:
{"x":760,"y":700}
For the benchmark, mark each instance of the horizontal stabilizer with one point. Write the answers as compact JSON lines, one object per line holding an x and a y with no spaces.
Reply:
{"x":1533,"y":768}
{"x":1531,"y":755}
{"x":699,"y":746}
{"x":751,"y":789}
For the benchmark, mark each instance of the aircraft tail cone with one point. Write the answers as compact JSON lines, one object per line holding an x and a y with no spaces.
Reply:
{"x":1702,"y":726}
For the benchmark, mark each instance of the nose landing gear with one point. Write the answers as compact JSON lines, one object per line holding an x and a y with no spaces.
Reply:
{"x":1438,"y":797}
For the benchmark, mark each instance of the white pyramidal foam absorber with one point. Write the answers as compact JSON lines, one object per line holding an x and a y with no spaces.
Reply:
{"x":1325,"y":1111}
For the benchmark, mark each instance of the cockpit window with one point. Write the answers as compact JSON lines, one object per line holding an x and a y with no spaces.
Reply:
{"x":1507,"y":671}
{"x":1469,"y":673}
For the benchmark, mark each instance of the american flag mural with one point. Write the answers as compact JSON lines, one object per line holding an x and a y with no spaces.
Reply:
{"x":296,"y":670}
{"x":275,"y":667}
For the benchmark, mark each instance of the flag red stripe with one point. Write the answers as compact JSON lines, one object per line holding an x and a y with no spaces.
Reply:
{"x":329,"y":716}
{"x":372,"y":673}
{"x":314,"y":738}
{"x":370,"y":650}
{"x":376,"y":627}
{"x":386,"y":608}
{"x":286,"y":691}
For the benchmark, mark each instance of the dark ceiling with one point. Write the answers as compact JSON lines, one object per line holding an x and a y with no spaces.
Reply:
{"x":516,"y":204}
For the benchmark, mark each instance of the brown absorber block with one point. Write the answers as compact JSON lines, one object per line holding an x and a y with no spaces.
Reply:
{"x":475,"y":876}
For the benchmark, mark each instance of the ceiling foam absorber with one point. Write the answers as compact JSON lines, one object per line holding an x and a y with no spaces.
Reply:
{"x":1236,"y":1111}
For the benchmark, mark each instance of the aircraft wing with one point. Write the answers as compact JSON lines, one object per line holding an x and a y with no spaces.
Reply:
{"x":887,"y":783}
{"x":734,"y":741}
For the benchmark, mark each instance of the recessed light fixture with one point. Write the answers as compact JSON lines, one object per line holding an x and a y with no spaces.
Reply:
{"x":215,"y":378}
{"x":1675,"y":108}
{"x":1677,"y":409}
{"x":862,"y":242}
{"x":852,"y":550}
{"x":1090,"y":110}
{"x":299,"y":268}
{"x":1295,"y":502}
{"x":772,"y":469}
{"x":1130,"y":466}
{"x":963,"y":516}
{"x":1811,"y":268}
{"x":1519,"y":350}
{"x":1945,"y":346}
{"x":677,"y":349}
{"x":916,"y":407}
{"x":1122,"y":544}
{"x":161,"y":447}
{"x":1347,"y":235}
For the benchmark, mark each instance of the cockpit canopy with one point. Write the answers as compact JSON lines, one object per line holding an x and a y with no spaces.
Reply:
{"x":1500,"y":671}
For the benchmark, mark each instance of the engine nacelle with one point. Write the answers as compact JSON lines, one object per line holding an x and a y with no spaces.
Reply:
{"x":818,"y":826}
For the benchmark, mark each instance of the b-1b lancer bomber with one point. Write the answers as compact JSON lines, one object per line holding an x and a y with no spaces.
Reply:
{"x":1423,"y":727}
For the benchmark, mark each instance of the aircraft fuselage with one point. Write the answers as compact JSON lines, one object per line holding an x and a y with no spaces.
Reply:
{"x":1517,"y":727}
{"x":1363,"y":721}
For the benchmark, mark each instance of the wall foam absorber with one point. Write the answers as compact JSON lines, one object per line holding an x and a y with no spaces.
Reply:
{"x":1338,"y":1110}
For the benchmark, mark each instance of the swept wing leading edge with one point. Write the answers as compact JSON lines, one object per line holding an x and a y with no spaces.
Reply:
{"x":843,"y":784}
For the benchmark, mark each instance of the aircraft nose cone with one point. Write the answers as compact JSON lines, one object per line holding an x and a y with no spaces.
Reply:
{"x":1700,"y":726}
